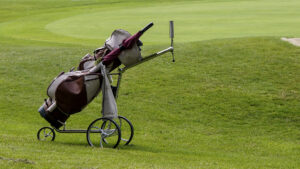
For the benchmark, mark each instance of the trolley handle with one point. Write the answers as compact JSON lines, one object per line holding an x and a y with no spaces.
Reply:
{"x":147,"y":27}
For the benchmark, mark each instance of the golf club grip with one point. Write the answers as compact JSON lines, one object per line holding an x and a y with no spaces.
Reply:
{"x":147,"y":27}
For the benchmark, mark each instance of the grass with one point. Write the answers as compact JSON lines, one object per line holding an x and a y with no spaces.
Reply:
{"x":231,"y":99}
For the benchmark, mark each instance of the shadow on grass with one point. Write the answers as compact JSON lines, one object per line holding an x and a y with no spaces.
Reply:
{"x":66,"y":143}
{"x":121,"y":146}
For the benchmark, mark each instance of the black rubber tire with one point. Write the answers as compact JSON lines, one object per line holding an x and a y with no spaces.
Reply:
{"x":46,"y":135}
{"x":116,"y":128}
{"x":131,"y":130}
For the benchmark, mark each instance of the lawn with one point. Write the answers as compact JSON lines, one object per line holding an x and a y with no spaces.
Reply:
{"x":231,"y":99}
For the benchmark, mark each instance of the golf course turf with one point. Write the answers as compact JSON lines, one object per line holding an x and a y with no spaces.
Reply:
{"x":231,"y":99}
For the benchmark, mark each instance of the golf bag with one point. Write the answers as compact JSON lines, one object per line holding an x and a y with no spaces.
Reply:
{"x":71,"y":92}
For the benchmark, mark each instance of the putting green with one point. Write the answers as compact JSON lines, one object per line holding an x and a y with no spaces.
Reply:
{"x":194,"y":21}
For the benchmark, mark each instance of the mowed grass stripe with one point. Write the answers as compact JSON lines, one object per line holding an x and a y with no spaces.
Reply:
{"x":194,"y":21}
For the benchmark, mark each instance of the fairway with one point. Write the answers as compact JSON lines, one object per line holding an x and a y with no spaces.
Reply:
{"x":231,"y":99}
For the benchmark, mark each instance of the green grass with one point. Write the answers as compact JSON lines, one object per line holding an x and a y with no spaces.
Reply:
{"x":231,"y":99}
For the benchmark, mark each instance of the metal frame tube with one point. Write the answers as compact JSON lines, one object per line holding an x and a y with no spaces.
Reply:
{"x":70,"y":131}
{"x":118,"y":84}
{"x":76,"y":131}
{"x":147,"y":58}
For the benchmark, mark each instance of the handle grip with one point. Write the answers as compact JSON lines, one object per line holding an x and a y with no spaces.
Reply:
{"x":171,"y":29}
{"x":147,"y":27}
{"x":172,"y":37}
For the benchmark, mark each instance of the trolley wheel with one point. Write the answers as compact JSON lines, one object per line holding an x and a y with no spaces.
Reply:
{"x":46,"y":134}
{"x":126,"y":128}
{"x":103,"y":132}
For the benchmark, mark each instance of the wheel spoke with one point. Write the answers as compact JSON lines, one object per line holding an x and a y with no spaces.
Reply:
{"x":95,"y":127}
{"x":101,"y":143}
{"x":124,"y":139}
{"x":109,"y":125}
{"x":103,"y":125}
{"x":48,"y":134}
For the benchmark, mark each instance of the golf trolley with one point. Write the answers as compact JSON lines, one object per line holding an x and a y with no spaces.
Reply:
{"x":105,"y":131}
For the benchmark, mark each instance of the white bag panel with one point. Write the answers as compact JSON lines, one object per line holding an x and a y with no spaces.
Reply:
{"x":88,"y":64}
{"x":53,"y":86}
{"x":116,"y":39}
{"x":92,"y":85}
{"x":130,"y":56}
